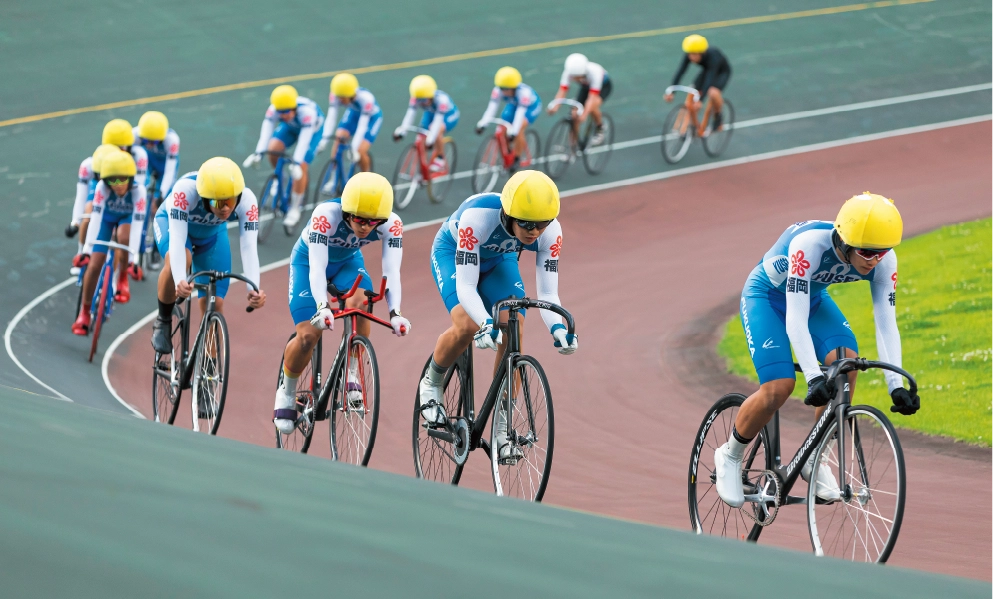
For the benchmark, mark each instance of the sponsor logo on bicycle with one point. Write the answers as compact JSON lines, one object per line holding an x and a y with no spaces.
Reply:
{"x":556,"y":247}
{"x":321,"y":224}
{"x":463,"y":258}
{"x":179,"y":200}
{"x":466,"y":239}
{"x":796,"y":285}
{"x":397,"y":228}
{"x":798,"y":266}
{"x":703,"y":437}
{"x":253,"y":214}
{"x":810,"y":439}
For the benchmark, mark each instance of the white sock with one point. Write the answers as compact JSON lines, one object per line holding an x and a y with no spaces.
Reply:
{"x":736,"y":449}
{"x":80,"y":248}
{"x":296,"y":199}
{"x":290,"y":382}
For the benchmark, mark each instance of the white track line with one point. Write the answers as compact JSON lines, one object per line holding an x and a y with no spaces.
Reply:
{"x":18,"y":317}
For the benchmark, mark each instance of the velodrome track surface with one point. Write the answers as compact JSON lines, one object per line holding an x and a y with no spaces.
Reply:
{"x":645,"y":268}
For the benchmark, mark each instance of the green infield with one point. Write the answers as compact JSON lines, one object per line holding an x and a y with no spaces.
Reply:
{"x":943,"y":311}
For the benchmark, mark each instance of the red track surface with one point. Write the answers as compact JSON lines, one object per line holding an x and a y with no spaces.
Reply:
{"x":649,"y":271}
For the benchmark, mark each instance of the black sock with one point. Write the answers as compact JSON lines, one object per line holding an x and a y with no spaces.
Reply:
{"x":165,"y":311}
{"x":738,"y":437}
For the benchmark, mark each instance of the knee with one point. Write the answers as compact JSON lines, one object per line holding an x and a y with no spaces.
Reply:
{"x":714,"y":93}
{"x":308,"y":337}
{"x":775,"y":393}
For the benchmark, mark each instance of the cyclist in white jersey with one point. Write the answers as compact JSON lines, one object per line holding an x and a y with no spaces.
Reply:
{"x":360,"y":123}
{"x":594,"y":88}
{"x":162,"y":145}
{"x":86,"y":182}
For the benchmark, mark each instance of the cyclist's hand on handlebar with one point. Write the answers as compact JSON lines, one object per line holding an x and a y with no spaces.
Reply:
{"x":488,"y":336}
{"x":324,"y":319}
{"x":819,"y":392}
{"x":905,"y":403}
{"x":296,"y":172}
{"x":398,"y":134}
{"x":553,"y":109}
{"x":401,"y":326}
{"x":252,"y":160}
{"x":80,"y":260}
{"x":256,"y":299}
{"x":668,"y":97}
{"x":480,"y":127}
{"x":566,"y":343}
{"x":184,"y":289}
{"x":71,"y":230}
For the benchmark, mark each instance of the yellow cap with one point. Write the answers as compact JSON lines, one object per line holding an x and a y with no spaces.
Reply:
{"x":507,"y":78}
{"x":695,"y":44}
{"x":367,"y":195}
{"x":98,"y":154}
{"x":423,"y":87}
{"x":153,"y":125}
{"x":118,"y":132}
{"x":344,"y":85}
{"x":870,"y":221}
{"x":117,"y":164}
{"x":531,"y":196}
{"x":283,"y":97}
{"x":219,"y":178}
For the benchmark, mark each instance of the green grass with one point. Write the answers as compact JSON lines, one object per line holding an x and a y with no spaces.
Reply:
{"x":943,"y":311}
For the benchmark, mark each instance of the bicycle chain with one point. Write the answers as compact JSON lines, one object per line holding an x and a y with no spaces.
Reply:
{"x":768,"y":474}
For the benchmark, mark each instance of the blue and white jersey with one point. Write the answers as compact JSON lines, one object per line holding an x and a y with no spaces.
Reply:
{"x":435,"y":111}
{"x":363,"y":103}
{"x":163,"y":158}
{"x":308,"y":120}
{"x":477,"y":236}
{"x":524,"y":101}
{"x":328,"y":238}
{"x":106,"y":201}
{"x":803,"y":263}
{"x":86,"y":181}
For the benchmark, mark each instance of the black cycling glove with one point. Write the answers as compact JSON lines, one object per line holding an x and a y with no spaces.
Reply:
{"x":819,"y":392}
{"x":905,"y":403}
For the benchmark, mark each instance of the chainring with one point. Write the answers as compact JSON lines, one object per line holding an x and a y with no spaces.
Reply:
{"x":764,"y":481}
{"x":460,"y":449}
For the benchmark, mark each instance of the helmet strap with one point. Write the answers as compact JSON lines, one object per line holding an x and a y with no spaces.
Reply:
{"x":840,"y":246}
{"x":505,"y":220}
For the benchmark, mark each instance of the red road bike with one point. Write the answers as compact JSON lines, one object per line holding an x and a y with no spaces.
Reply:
{"x":413,"y":171}
{"x":496,"y":157}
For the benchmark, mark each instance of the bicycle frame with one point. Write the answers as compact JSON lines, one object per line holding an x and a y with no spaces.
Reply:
{"x":338,"y":173}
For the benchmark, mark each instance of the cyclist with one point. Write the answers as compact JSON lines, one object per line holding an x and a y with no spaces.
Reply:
{"x":440,"y":116}
{"x":523,"y":107}
{"x":162,"y":145}
{"x":475,"y":262}
{"x":330,"y":250}
{"x":191,"y":229}
{"x":118,"y":201}
{"x":594,"y":89}
{"x":360,"y":123}
{"x":785,"y":304}
{"x":713,"y":78}
{"x":290,"y":119}
{"x":88,"y":177}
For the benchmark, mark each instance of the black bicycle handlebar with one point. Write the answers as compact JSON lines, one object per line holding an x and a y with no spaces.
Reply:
{"x":526,"y":302}
{"x":846,"y":365}
{"x":215,"y":275}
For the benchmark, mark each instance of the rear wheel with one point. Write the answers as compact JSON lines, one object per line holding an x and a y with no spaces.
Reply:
{"x":488,"y":166}
{"x":308,"y":389}
{"x":355,"y":405}
{"x":269,"y":210}
{"x":597,"y":155}
{"x":716,"y":141}
{"x":210,"y":377}
{"x":439,"y":185}
{"x":100,"y":304}
{"x":323,"y":191}
{"x":677,"y":134}
{"x":559,"y":149}
{"x":407,"y":177}
{"x":434,"y":459}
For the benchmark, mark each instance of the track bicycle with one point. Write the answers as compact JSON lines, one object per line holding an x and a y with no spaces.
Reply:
{"x":102,"y":302}
{"x":349,"y":395}
{"x":205,"y":369}
{"x":523,"y":413}
{"x":413,"y":170}
{"x":339,"y":169}
{"x":564,"y":145}
{"x":274,"y":196}
{"x":680,"y":128}
{"x":861,"y":526}
{"x":496,"y":157}
{"x":149,"y":258}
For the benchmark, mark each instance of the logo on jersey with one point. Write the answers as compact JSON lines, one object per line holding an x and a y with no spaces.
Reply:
{"x":84,"y":173}
{"x":466,"y":239}
{"x":893,"y":278}
{"x":395,"y":242}
{"x":504,"y":247}
{"x":174,"y":149}
{"x":305,"y":293}
{"x":142,"y":164}
{"x":748,"y":329}
{"x":463,"y":258}
{"x":253,"y":214}
{"x":140,"y":206}
{"x":767,"y":344}
{"x":551,"y":265}
{"x":176,"y":214}
{"x":321,"y":224}
{"x":519,"y":285}
{"x":179,"y":200}
{"x":837,"y":274}
{"x":846,"y":325}
{"x":781,"y":264}
{"x":556,"y":247}
{"x":798,"y":266}
{"x":397,"y":228}
{"x":796,"y":285}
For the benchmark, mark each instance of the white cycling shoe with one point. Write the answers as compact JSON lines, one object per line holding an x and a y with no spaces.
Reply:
{"x":728,"y":471}
{"x":292,"y":217}
{"x":284,"y":413}
{"x":508,"y":454}
{"x":428,"y":392}
{"x":827,"y":485}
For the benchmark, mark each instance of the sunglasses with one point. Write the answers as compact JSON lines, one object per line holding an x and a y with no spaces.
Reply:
{"x":871,"y":254}
{"x":530,"y":225}
{"x":222,"y":203}
{"x":368,"y":222}
{"x":118,"y":181}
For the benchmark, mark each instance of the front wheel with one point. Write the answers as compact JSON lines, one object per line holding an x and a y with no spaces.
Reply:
{"x":167,"y":372}
{"x":863,"y":525}
{"x":677,"y":134}
{"x":434,"y":458}
{"x":326,"y":188}
{"x":559,"y":149}
{"x":210,"y":377}
{"x":488,"y":166}
{"x":599,"y":145}
{"x":101,"y":303}
{"x":308,"y":388}
{"x":269,"y":210}
{"x":716,"y":140}
{"x":355,"y":405}
{"x":522,"y":433}
{"x":407,"y":177}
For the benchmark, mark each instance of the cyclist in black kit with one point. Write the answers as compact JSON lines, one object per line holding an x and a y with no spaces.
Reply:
{"x":716,"y":70}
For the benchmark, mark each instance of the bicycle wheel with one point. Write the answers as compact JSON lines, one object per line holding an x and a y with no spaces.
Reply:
{"x":100,"y":303}
{"x":210,"y":377}
{"x":597,"y":155}
{"x":308,"y":387}
{"x":166,"y":387}
{"x":439,"y":186}
{"x":559,"y":150}
{"x":488,"y":168}
{"x":715,"y":142}
{"x":530,"y":434}
{"x":323,"y":191}
{"x":434,"y":458}
{"x":406,"y":178}
{"x":532,"y":150}
{"x":708,"y":512}
{"x":268,"y":207}
{"x":864,"y":527}
{"x":355,"y":405}
{"x":677,"y":134}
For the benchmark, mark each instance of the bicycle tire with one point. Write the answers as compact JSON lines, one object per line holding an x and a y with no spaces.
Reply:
{"x":320,"y":193}
{"x":433,"y":459}
{"x":353,"y":429}
{"x":532,"y":151}
{"x":98,"y":309}
{"x":758,"y":455}
{"x":211,"y":416}
{"x":268,"y":206}
{"x":166,"y":389}
{"x":559,"y":150}
{"x":676,"y":143}
{"x":889,"y":504}
{"x":408,"y":174}
{"x":714,"y":143}
{"x":308,"y":388}
{"x":488,"y":166}
{"x":596,"y":157}
{"x":438,"y":187}
{"x":507,"y":479}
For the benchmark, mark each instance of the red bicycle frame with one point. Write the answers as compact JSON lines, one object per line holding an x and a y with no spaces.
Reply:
{"x":422,"y":156}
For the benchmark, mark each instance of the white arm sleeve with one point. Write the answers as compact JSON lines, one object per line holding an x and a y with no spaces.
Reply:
{"x":248,"y":227}
{"x":79,"y":204}
{"x":564,"y":80}
{"x":139,"y":206}
{"x":177,"y":206}
{"x":473,"y":230}
{"x":408,"y":117}
{"x":171,"y":163}
{"x":96,"y":217}
{"x":323,"y":224}
{"x":883,"y":288}
{"x":360,"y":131}
{"x":802,"y":266}
{"x":268,"y":126}
{"x":303,"y":144}
{"x":547,"y":270}
{"x":141,"y":165}
{"x":392,"y":234}
{"x":435,"y":129}
{"x":491,"y":108}
{"x":331,"y":123}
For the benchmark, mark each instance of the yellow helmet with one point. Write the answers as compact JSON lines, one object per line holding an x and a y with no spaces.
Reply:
{"x":117,"y":164}
{"x":344,"y":85}
{"x":283,"y":97}
{"x":98,"y":154}
{"x":423,"y":87}
{"x":367,"y":195}
{"x":507,"y":78}
{"x":219,"y":178}
{"x":869,"y":221}
{"x":118,"y":132}
{"x":531,"y":196}
{"x":695,"y":44}
{"x":153,"y":125}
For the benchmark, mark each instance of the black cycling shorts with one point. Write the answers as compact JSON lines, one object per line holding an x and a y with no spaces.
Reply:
{"x":720,"y":81}
{"x":584,"y":92}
